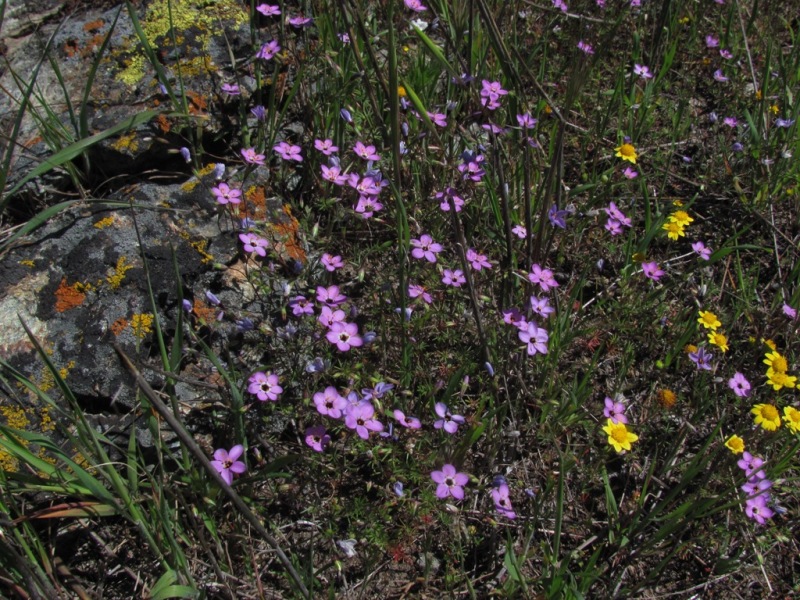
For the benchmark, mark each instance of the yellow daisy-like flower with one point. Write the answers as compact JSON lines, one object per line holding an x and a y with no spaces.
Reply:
{"x":689,"y":348}
{"x":709,"y":320}
{"x":681,"y":217}
{"x":792,"y":417}
{"x":774,"y":108}
{"x":618,"y":436}
{"x":667,"y":398}
{"x":776,"y":362}
{"x":401,"y":91}
{"x":735,"y":444}
{"x":779,"y":380}
{"x":767,"y":416}
{"x":626,"y":152}
{"x":772,"y":345}
{"x":674,"y":230}
{"x":719,"y":340}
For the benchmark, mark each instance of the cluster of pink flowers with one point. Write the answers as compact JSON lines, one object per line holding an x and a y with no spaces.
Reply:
{"x":616,"y":219}
{"x":755,"y":489}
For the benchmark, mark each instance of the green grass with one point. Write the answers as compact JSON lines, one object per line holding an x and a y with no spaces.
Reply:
{"x":666,"y":517}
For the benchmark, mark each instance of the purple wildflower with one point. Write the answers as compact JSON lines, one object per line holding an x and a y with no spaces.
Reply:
{"x":535,"y":337}
{"x":288,"y":151}
{"x":344,"y":336}
{"x":331,"y":263}
{"x":326,"y":146}
{"x":502,"y":501}
{"x":701,"y":250}
{"x":361,"y":417}
{"x":454,"y":277}
{"x":652,"y":271}
{"x":739,"y":384}
{"x":449,"y":482}
{"x":253,"y":243}
{"x":268,"y":10}
{"x":447,"y":421}
{"x":542,"y":277}
{"x":418,"y":291}
{"x":477,"y":261}
{"x":225,"y":194}
{"x":252,"y":157}
{"x":330,"y":403}
{"x":317,"y":438}
{"x":615,"y":411}
{"x":407,"y":421}
{"x":264,"y":387}
{"x":425,"y":248}
{"x":702,"y":359}
{"x":268,"y":50}
{"x":227,"y":463}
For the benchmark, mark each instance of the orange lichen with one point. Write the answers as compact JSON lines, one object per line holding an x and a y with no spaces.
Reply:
{"x":256,"y":205}
{"x":103,"y":223}
{"x":68,"y":296}
{"x":163,"y":123}
{"x":197,"y":102}
{"x":204,"y":312}
{"x":285,"y":234}
{"x":93,"y":25}
{"x":119,"y":326}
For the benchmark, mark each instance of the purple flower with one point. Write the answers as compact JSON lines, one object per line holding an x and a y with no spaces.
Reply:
{"x":526,"y":121}
{"x":652,"y":271}
{"x":630,"y":173}
{"x":264,"y":387}
{"x":330,"y":403}
{"x":225,"y":194}
{"x":259,"y":112}
{"x":231,"y":89}
{"x":642,"y":71}
{"x":585,"y":47}
{"x":367,"y":206}
{"x":326,"y":146}
{"x":502,"y":501}
{"x":477,"y":261}
{"x":445,"y":197}
{"x":739,"y":384}
{"x":757,"y":509}
{"x":301,"y":306}
{"x":613,"y":226}
{"x":447,"y":421}
{"x":300,"y":21}
{"x":535,"y":337}
{"x":789,"y":311}
{"x":366,"y":152}
{"x":560,"y":5}
{"x":513,"y":316}
{"x":378,"y":391}
{"x":406,"y":421}
{"x":492,"y":89}
{"x":425,"y":248}
{"x":397,"y":488}
{"x":361,"y":417}
{"x":344,"y":336}
{"x":252,"y":157}
{"x":449,"y":482}
{"x":751,"y":465}
{"x":701,"y":249}
{"x":730,"y":121}
{"x":288,"y":151}
{"x":418,"y":291}
{"x":719,"y":76}
{"x":615,"y":411}
{"x":711,"y":41}
{"x":268,"y":50}
{"x":454,"y":278}
{"x":268,"y":10}
{"x":317,"y":438}
{"x":542,"y":277}
{"x":725,"y":53}
{"x":334,"y":174}
{"x":186,"y":154}
{"x":520,"y":231}
{"x":438,"y":119}
{"x":329,"y":316}
{"x":558,"y":218}
{"x":702,"y":359}
{"x":330,"y":295}
{"x":784,"y":122}
{"x":541,"y":306}
{"x":345,"y":114}
{"x":331,"y":263}
{"x":616,"y":214}
{"x":415,"y":5}
{"x":227,"y":464}
{"x":253,"y":243}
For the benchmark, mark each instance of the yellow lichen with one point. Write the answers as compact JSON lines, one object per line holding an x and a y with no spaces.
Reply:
{"x":115,"y":279}
{"x":46,"y":422}
{"x":141,"y":324}
{"x":15,"y":417}
{"x":127,"y":142}
{"x":103,"y":223}
{"x":27,"y":263}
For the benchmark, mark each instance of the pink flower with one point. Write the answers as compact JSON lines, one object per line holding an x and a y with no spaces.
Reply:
{"x":252,"y":157}
{"x":366,"y":152}
{"x":288,"y":151}
{"x":502,"y":501}
{"x":330,"y":403}
{"x":344,"y":336}
{"x":542,"y":277}
{"x":361,"y":417}
{"x":415,"y":5}
{"x":264,"y":387}
{"x":425,"y":248}
{"x":701,"y":250}
{"x":326,"y":147}
{"x":454,"y":278}
{"x":253,"y":243}
{"x":585,"y":48}
{"x":447,"y":421}
{"x":406,"y":421}
{"x":418,"y":291}
{"x":331,"y":263}
{"x":317,"y":438}
{"x":225,"y":194}
{"x":227,"y":464}
{"x":268,"y":10}
{"x":535,"y":337}
{"x":652,"y":271}
{"x":739,"y":384}
{"x":630,"y":173}
{"x":328,"y":317}
{"x":268,"y":50}
{"x":478,"y":261}
{"x":449,"y":482}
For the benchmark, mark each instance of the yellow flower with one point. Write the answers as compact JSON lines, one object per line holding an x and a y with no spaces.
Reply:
{"x":677,"y":203}
{"x":626,"y":152}
{"x":618,"y":436}
{"x":719,"y":340}
{"x":709,"y":320}
{"x":772,"y":345}
{"x":776,"y":362}
{"x":681,"y":217}
{"x":767,"y":416}
{"x":689,"y":348}
{"x":758,"y":95}
{"x":674,"y":230}
{"x":735,"y":444}
{"x":779,"y":379}
{"x":667,"y":398}
{"x":774,"y":108}
{"x":792,"y":417}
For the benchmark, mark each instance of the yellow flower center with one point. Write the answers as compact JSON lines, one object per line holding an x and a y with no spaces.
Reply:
{"x":620,"y":434}
{"x":627,"y":151}
{"x":769,"y":412}
{"x":779,"y":364}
